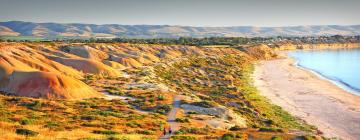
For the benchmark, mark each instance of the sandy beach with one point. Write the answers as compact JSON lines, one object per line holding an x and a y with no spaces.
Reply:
{"x":315,"y":100}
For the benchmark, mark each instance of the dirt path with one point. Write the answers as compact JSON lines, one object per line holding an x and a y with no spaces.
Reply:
{"x":171,"y":118}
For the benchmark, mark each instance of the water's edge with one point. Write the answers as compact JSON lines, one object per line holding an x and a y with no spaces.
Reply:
{"x":339,"y":83}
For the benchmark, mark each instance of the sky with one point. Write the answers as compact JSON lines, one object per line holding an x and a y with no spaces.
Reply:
{"x":269,"y":13}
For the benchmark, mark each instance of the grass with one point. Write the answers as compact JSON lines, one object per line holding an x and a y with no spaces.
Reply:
{"x":256,"y":109}
{"x":90,"y":118}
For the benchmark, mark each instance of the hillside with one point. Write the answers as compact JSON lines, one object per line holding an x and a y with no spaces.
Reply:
{"x":58,"y":30}
{"x":133,"y":91}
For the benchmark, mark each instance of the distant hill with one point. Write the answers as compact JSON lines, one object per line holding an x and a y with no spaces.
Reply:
{"x":53,"y":30}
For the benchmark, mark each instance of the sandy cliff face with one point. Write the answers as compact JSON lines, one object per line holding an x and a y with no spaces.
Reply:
{"x":261,"y":52}
{"x":27,"y":79}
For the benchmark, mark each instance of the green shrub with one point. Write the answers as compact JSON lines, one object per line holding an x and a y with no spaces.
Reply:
{"x":228,"y":137}
{"x":145,"y":132}
{"x":105,"y":132}
{"x":235,"y":128}
{"x":183,"y":138}
{"x":206,"y":104}
{"x":26,"y":132}
{"x":160,"y":97}
{"x":34,"y":105}
{"x":192,"y":130}
{"x":26,"y":121}
{"x":133,"y":124}
{"x":163,"y":109}
{"x":52,"y":125}
{"x":266,"y":129}
{"x":276,"y":138}
{"x":192,"y":112}
{"x":182,"y":120}
{"x":114,"y":92}
{"x":307,"y":137}
{"x":88,"y":117}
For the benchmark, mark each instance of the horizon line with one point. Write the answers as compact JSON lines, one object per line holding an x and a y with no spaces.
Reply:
{"x":183,"y":25}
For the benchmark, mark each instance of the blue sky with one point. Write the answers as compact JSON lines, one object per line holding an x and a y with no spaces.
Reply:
{"x":185,"y":12}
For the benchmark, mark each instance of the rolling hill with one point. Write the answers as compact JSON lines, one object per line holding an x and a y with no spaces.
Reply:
{"x":72,"y":30}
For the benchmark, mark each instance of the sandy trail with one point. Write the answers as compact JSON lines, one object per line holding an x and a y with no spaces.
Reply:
{"x":172,"y":116}
{"x":317,"y":101}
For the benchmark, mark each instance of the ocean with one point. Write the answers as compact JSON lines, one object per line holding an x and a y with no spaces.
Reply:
{"x":340,"y":66}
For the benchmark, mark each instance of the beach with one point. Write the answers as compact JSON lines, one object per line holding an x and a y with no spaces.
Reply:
{"x":317,"y":101}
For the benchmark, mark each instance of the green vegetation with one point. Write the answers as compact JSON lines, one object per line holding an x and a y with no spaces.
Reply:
{"x":257,"y":110}
{"x":235,"y":128}
{"x":193,"y":130}
{"x":182,"y":120}
{"x":22,"y":38}
{"x":231,"y":136}
{"x":183,"y":138}
{"x":276,"y":138}
{"x":105,"y":132}
{"x":89,"y":116}
{"x":206,"y":104}
{"x":210,"y":81}
{"x":163,"y":109}
{"x":26,"y":132}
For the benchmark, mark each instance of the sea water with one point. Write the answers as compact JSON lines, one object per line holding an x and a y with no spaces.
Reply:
{"x":341,"y":66}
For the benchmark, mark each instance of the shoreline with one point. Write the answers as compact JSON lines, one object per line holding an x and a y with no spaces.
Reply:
{"x":317,"y":101}
{"x":339,"y":83}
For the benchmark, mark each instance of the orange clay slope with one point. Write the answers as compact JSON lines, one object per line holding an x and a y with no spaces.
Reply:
{"x":31,"y":75}
{"x":54,"y":70}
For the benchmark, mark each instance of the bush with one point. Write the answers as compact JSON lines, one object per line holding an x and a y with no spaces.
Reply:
{"x":265,"y":129}
{"x":276,"y":138}
{"x":228,"y":137}
{"x":206,"y":104}
{"x":133,"y":124}
{"x":105,"y":132}
{"x":183,"y":138}
{"x":34,"y":105}
{"x":192,"y":112}
{"x":145,"y":132}
{"x":26,"y":132}
{"x":114,"y":92}
{"x":88,"y":117}
{"x":163,"y":109}
{"x":26,"y":121}
{"x":200,"y":131}
{"x":235,"y":128}
{"x":182,"y":120}
{"x":52,"y":125}
{"x":160,"y":97}
{"x":306,"y":137}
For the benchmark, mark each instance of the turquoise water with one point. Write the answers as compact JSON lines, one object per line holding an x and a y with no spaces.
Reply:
{"x":341,"y":66}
